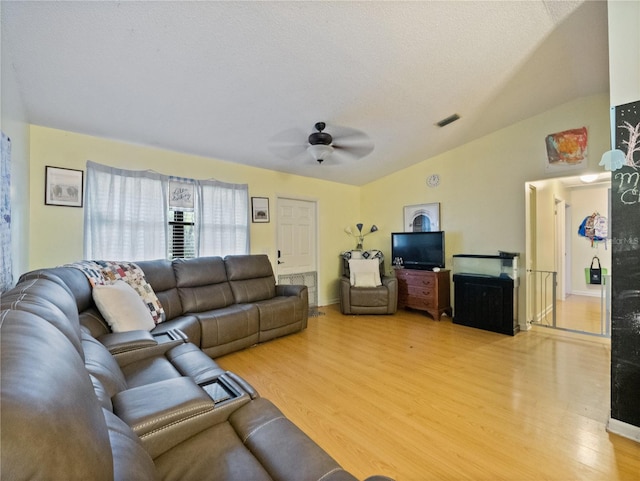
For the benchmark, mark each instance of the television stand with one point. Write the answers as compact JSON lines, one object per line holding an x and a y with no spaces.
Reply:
{"x":425,"y":291}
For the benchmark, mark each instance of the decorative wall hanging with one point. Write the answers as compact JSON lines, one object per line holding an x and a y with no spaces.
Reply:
{"x":259,"y":209}
{"x":63,"y":186}
{"x":422,"y":217}
{"x":181,"y":193}
{"x":6,"y":257}
{"x":566,"y":149}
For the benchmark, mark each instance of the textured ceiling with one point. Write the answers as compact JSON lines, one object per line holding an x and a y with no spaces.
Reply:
{"x":221,"y":79}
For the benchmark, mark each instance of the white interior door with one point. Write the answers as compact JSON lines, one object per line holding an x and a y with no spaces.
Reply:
{"x":296,"y":236}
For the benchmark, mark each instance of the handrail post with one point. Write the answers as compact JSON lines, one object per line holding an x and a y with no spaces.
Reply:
{"x":553,"y":296}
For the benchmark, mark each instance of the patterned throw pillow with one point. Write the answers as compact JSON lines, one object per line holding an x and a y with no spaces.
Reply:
{"x":134,"y":276}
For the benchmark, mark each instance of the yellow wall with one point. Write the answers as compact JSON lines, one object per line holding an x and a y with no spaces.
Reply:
{"x":481,"y":193}
{"x":482,"y":206}
{"x":56,"y":233}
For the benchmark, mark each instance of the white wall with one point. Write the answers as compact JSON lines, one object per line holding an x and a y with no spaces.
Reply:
{"x":584,"y":202}
{"x":624,"y":51}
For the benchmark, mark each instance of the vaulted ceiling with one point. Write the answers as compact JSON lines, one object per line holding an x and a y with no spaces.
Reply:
{"x":224,"y":79}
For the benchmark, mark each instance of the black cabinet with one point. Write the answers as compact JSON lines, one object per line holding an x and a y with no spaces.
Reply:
{"x":485,"y":302}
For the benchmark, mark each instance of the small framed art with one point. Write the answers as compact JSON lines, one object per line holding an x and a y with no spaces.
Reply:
{"x":63,"y":186}
{"x":259,"y":209}
{"x":422,"y":217}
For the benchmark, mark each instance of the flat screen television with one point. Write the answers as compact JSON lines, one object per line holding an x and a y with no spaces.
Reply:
{"x":418,"y":250}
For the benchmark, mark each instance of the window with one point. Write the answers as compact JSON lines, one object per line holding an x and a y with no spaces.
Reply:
{"x":182,"y":239}
{"x":143,"y":215}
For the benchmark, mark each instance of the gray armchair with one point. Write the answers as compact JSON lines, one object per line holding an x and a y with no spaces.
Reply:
{"x":380,"y":299}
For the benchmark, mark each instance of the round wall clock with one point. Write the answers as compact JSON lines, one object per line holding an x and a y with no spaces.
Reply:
{"x":433,"y":180}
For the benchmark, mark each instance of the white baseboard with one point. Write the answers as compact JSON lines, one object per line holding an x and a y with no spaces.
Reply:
{"x":593,"y":293}
{"x":330,"y":302}
{"x":623,"y":429}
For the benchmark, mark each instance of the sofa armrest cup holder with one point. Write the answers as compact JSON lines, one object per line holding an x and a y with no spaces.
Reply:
{"x":175,"y":336}
{"x":224,"y":389}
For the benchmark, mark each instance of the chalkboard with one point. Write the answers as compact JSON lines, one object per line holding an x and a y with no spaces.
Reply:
{"x":625,"y":256}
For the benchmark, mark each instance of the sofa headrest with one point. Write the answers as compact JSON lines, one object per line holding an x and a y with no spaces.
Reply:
{"x":53,"y":426}
{"x":248,"y":267}
{"x":200,"y":271}
{"x":250,"y":277}
{"x":162,"y":278}
{"x":72,"y":280}
{"x":51,"y":302}
{"x":159,"y":273}
{"x":202,"y":284}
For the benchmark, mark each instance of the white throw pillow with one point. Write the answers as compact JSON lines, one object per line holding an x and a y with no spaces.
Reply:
{"x":122,"y":307}
{"x":365,"y":279}
{"x":363,"y":266}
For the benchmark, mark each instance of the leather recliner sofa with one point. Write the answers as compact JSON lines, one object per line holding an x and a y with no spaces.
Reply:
{"x":135,"y":405}
{"x":222,"y":305}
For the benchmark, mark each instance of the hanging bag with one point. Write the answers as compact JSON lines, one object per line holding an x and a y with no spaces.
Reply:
{"x":595,"y":273}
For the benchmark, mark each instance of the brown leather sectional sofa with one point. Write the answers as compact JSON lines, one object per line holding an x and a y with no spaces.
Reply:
{"x":81,"y":402}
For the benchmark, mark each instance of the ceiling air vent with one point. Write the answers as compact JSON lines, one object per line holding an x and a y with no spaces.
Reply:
{"x":448,"y":120}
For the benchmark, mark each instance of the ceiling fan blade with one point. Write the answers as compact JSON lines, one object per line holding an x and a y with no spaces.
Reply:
{"x":289,"y":144}
{"x":356,"y":151}
{"x":290,"y":136}
{"x":349,"y":144}
{"x":288,"y":152}
{"x":339,"y":156}
{"x":352,"y":141}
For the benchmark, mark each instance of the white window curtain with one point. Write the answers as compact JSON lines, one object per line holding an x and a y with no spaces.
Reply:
{"x":125,"y":215}
{"x":222,"y":218}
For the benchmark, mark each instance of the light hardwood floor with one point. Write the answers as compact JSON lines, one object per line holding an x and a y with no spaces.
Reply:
{"x":417,"y":399}
{"x":580,"y":313}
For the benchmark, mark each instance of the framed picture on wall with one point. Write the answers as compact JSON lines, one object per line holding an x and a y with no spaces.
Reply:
{"x":63,"y":186}
{"x":566,"y":150}
{"x":422,"y":217}
{"x":259,"y":209}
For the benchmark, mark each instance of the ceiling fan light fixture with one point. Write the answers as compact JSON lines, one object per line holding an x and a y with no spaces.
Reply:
{"x":320,"y":151}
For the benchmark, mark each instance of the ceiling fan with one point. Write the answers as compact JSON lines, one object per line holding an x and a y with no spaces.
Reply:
{"x":337,"y":143}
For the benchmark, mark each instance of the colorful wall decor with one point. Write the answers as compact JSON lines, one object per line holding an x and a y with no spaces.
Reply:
{"x":567,"y":149}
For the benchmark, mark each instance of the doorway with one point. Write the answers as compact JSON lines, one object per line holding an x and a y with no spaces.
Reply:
{"x":559,"y":294}
{"x":297,"y":245}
